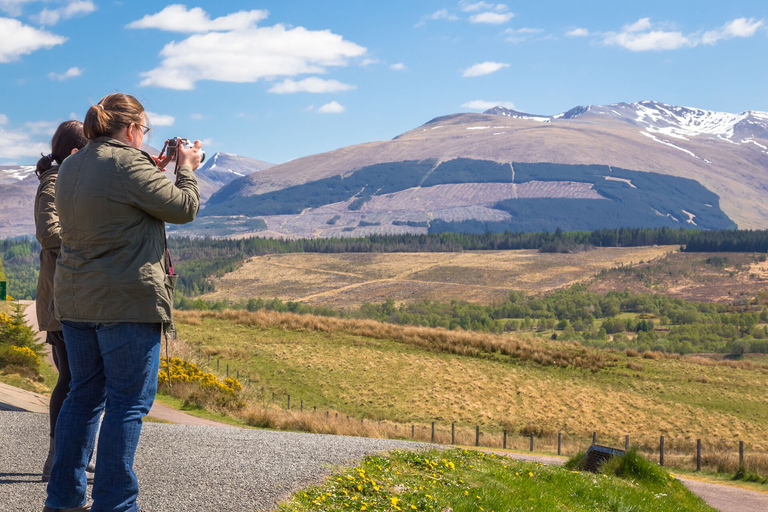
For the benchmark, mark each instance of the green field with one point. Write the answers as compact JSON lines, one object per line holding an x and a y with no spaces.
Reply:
{"x":408,"y":375}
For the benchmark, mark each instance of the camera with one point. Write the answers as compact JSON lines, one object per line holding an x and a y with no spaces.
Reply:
{"x":171,"y":146}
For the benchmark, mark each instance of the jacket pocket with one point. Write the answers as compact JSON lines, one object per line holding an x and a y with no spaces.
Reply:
{"x":170,"y":286}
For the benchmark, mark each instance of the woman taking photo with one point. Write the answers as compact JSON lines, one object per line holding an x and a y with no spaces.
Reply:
{"x":113,"y":294}
{"x":67,"y":140}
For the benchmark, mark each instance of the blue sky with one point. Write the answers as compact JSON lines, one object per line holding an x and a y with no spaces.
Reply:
{"x":280,"y":80}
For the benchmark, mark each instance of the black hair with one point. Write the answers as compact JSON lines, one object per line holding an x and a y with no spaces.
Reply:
{"x":69,"y":135}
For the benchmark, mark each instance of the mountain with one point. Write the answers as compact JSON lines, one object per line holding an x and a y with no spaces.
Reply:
{"x":627,"y":164}
{"x":18,"y":185}
{"x":220,"y":169}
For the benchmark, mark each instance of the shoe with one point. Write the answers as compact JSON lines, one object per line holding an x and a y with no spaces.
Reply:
{"x":84,"y":508}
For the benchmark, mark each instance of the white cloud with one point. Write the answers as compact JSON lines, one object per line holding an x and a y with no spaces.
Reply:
{"x":13,"y":7}
{"x":177,"y":18}
{"x":577,"y":32}
{"x":485,"y":105}
{"x":484,"y":68}
{"x":196,"y":117}
{"x":443,"y":14}
{"x":641,"y":36}
{"x":331,"y":108}
{"x":70,"y":73}
{"x":495,"y":18}
{"x":160,"y":119}
{"x":368,"y":61}
{"x":470,"y":6}
{"x":640,"y":25}
{"x":740,"y":27}
{"x":311,"y":84}
{"x":248,"y":55}
{"x":16,"y":144}
{"x":3,"y":119}
{"x":398,"y":67}
{"x":51,"y":17}
{"x":41,"y":127}
{"x":17,"y":39}
{"x":516,"y":35}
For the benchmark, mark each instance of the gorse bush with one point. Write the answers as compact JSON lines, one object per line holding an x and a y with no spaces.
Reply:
{"x":197,"y":387}
{"x":15,"y":331}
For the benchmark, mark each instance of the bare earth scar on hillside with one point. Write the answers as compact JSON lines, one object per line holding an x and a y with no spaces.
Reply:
{"x":350,"y":279}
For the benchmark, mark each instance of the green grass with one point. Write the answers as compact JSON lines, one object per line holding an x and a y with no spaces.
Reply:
{"x":461,"y":480}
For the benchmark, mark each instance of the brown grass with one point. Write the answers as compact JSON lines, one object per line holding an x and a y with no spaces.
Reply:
{"x":348,"y":280}
{"x":464,"y":343}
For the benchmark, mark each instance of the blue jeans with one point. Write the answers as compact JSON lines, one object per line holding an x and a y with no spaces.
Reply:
{"x":114,"y":369}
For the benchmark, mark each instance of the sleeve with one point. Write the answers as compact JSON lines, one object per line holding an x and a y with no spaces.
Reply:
{"x":47,"y":226}
{"x":149,"y":190}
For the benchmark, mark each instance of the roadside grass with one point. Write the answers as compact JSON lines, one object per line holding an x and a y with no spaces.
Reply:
{"x":398,"y":385}
{"x":462,"y":480}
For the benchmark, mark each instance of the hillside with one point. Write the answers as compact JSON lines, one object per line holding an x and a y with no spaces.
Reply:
{"x":495,"y":381}
{"x":348,"y":280}
{"x":654,"y":155}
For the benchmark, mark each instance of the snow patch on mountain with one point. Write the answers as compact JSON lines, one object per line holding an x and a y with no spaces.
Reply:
{"x":16,"y":173}
{"x":670,"y":144}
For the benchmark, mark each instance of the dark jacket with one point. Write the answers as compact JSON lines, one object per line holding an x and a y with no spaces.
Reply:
{"x":113,"y":203}
{"x":47,"y":233}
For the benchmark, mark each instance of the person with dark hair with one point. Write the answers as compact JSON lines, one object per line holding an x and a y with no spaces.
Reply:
{"x":67,"y":140}
{"x":113,"y":294}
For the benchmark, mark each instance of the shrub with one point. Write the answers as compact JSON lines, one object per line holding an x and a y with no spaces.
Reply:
{"x":197,"y":387}
{"x":11,"y":355}
{"x":633,"y":466}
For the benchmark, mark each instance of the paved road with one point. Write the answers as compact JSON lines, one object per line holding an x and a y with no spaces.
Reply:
{"x":191,"y":468}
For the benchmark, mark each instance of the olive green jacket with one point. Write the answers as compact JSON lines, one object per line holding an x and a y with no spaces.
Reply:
{"x":113,"y":203}
{"x":47,"y":233}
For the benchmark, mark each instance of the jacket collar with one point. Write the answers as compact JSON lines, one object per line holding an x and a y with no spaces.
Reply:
{"x":114,"y":142}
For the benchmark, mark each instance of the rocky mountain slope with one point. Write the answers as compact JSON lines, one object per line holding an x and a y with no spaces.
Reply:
{"x":714,"y":163}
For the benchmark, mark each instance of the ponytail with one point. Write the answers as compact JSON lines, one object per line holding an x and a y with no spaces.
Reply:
{"x":44,"y":164}
{"x":112,"y":113}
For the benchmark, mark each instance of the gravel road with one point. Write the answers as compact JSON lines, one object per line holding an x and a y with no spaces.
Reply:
{"x":191,"y":468}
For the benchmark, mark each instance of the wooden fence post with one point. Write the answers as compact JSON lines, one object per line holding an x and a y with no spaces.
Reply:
{"x":594,"y":437}
{"x":227,"y":371}
{"x":433,"y":431}
{"x":477,"y":435}
{"x":289,"y":402}
{"x":741,"y":453}
{"x":531,"y":441}
{"x":453,"y":433}
{"x":301,"y":406}
{"x":559,"y":441}
{"x":504,"y":443}
{"x":661,"y":451}
{"x":626,"y":443}
{"x":217,"y":364}
{"x":698,"y":455}
{"x":413,"y":431}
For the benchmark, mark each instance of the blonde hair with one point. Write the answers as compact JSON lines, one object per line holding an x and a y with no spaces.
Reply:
{"x":112,"y":113}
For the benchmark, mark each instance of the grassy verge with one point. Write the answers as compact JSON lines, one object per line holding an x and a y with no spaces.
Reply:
{"x":461,"y":480}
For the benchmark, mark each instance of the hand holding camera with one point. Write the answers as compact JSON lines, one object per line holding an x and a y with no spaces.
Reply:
{"x":183,"y":151}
